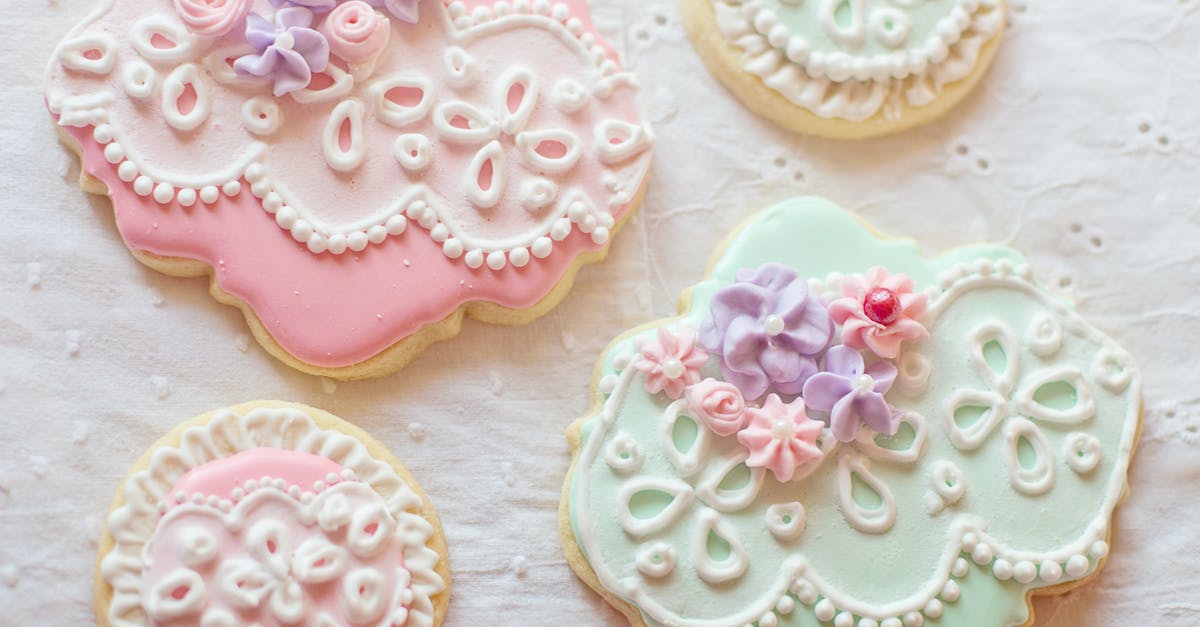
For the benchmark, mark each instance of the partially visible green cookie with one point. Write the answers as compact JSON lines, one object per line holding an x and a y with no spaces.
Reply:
{"x":847,"y":68}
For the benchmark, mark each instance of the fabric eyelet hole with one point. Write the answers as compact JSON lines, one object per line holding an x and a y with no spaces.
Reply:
{"x":1075,"y":227}
{"x":780,"y":162}
{"x":660,"y":19}
{"x":1097,"y":242}
{"x":1064,"y":281}
{"x":962,"y":150}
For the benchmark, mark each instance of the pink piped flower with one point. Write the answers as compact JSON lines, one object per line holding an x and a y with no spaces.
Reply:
{"x":719,"y":405}
{"x":781,"y":437}
{"x":672,"y":363}
{"x":878,"y":312}
{"x":212,"y":18}
{"x":356,"y":33}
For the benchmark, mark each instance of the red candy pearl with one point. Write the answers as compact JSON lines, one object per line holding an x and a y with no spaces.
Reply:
{"x":882,"y":306}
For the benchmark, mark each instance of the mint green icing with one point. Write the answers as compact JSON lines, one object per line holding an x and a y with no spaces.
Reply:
{"x":881,"y":574}
{"x":803,"y":19}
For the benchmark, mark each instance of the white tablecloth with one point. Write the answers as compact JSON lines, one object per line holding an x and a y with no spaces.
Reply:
{"x":1081,"y":148}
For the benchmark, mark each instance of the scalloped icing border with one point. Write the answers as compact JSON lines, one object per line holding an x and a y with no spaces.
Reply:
{"x":135,"y":512}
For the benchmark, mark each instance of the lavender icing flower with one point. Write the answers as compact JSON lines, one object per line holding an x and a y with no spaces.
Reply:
{"x":767,"y":329}
{"x":289,"y":51}
{"x":316,"y":6}
{"x":852,"y":393}
{"x":406,"y":10}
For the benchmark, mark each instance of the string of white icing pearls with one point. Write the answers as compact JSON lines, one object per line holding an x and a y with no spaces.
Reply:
{"x":841,"y":66}
{"x":144,"y":185}
{"x":1024,"y":572}
{"x":250,"y":486}
{"x":557,"y":11}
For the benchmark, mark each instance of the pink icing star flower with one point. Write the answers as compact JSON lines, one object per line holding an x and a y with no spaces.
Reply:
{"x":672,"y":363}
{"x":878,"y":312}
{"x":781,"y":437}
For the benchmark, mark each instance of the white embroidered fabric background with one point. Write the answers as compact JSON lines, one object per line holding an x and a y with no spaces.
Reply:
{"x":1081,"y":148}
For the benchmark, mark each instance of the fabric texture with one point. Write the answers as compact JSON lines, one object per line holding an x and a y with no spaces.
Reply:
{"x":1081,"y":148}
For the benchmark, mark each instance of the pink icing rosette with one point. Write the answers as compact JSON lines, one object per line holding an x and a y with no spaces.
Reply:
{"x":878,"y":312}
{"x":356,"y":32}
{"x":718,"y":404}
{"x":781,"y":437}
{"x":672,"y":363}
{"x":212,"y":18}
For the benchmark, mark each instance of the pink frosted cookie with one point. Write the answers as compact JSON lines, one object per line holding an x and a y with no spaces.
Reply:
{"x":271,"y":514}
{"x":355,"y":175}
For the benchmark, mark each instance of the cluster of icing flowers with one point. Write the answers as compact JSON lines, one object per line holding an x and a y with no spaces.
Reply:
{"x":771,"y":334}
{"x":290,"y":46}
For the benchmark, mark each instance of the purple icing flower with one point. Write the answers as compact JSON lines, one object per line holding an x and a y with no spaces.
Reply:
{"x":316,"y":6}
{"x":767,"y":329}
{"x":405,"y":10}
{"x":852,"y":394}
{"x":289,"y":50}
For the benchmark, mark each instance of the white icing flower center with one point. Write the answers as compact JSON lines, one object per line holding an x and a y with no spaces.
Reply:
{"x":672,"y":368}
{"x":782,"y":430}
{"x":864,"y":384}
{"x":285,"y":41}
{"x":773,"y":325}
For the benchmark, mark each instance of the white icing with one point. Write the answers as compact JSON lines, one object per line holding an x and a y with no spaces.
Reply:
{"x":161,"y":602}
{"x":681,"y":499}
{"x":347,"y":114}
{"x":1082,"y":452}
{"x":414,"y":151}
{"x":624,"y":455}
{"x":491,"y":155}
{"x":656,"y":559}
{"x":709,"y":490}
{"x":341,"y":85}
{"x":569,"y":95}
{"x":148,"y":29}
{"x":873,"y":521}
{"x":138,"y":79}
{"x":397,"y":114}
{"x":553,"y":89}
{"x":74,"y":53}
{"x":530,"y":141}
{"x":134,"y":523}
{"x":689,"y":462}
{"x":617,"y":140}
{"x":786,"y":521}
{"x":174,"y":87}
{"x":947,"y":483}
{"x":708,"y":569}
{"x":846,"y":83}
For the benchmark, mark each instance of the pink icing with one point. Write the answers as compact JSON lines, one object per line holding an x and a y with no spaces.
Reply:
{"x":325,"y":310}
{"x":719,"y":405}
{"x":356,"y":32}
{"x":332,"y":310}
{"x":271,"y":564}
{"x":860,"y":331}
{"x":672,"y":362}
{"x":220,"y":477}
{"x":212,"y":18}
{"x":780,"y":437}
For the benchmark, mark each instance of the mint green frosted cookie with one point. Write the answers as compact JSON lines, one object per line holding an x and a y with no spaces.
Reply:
{"x":839,"y":431}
